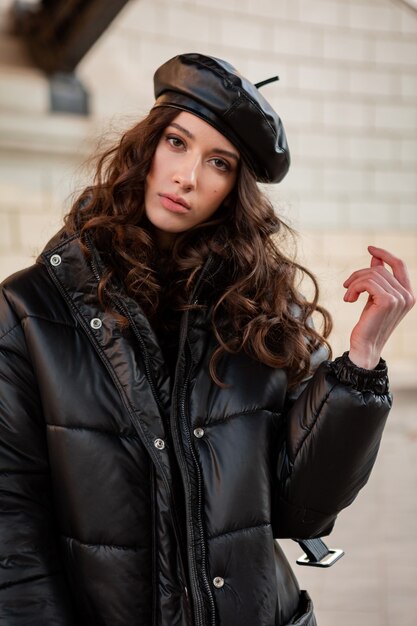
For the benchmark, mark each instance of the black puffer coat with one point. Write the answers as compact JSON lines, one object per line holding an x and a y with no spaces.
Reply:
{"x":130,"y":501}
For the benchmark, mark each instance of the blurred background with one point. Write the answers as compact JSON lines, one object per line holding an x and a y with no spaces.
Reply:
{"x":74,"y":73}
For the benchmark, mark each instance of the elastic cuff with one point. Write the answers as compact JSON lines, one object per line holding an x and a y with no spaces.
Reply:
{"x":359,"y":378}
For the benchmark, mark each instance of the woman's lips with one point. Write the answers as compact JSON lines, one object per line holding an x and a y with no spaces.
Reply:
{"x":170,"y":204}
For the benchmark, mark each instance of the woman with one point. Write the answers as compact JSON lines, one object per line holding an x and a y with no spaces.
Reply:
{"x":166,"y":406}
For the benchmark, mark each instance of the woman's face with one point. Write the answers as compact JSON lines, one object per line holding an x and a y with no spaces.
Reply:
{"x":193,"y":170}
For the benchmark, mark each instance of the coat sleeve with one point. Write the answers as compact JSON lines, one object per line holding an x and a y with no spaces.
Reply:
{"x":32,"y":585}
{"x":333,"y":432}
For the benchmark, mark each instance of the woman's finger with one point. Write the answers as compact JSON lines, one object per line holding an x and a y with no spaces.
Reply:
{"x":399,"y":268}
{"x":375,"y":261}
{"x":385,"y":280}
{"x":376,"y":286}
{"x":399,"y":271}
{"x":375,"y":273}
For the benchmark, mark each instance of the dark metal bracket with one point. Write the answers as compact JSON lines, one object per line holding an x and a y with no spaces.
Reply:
{"x":317,"y":554}
{"x":58,"y":34}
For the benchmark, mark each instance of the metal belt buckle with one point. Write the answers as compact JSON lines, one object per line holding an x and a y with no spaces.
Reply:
{"x":329,"y":559}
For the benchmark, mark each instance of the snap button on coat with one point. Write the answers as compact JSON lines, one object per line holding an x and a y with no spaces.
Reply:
{"x":218,"y":582}
{"x":199,"y":432}
{"x":55,"y":260}
{"x":96,"y":323}
{"x":159,"y":443}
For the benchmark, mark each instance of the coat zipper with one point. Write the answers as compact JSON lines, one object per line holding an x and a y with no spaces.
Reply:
{"x":154,"y":555}
{"x":196,"y":593}
{"x":199,"y":507}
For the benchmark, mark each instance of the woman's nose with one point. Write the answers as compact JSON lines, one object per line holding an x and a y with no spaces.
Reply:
{"x":186,"y":174}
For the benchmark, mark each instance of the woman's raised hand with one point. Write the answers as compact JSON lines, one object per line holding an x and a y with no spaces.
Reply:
{"x":390,"y":297}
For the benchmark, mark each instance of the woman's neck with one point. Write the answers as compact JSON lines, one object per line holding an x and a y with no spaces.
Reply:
{"x":164,"y":241}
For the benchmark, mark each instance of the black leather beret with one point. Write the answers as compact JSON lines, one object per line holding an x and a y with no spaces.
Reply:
{"x":214,"y":90}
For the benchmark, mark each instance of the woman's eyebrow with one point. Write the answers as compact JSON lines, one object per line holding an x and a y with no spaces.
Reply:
{"x":227,"y":153}
{"x":232,"y":155}
{"x":183,"y":130}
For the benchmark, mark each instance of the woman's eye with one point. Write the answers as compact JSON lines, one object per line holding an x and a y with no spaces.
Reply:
{"x":221,"y":165}
{"x":175,"y":142}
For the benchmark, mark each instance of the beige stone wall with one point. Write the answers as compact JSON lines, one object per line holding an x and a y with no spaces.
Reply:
{"x":347,"y":94}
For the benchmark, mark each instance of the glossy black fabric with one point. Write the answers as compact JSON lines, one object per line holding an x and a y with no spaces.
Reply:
{"x":88,"y":516}
{"x":215,"y":91}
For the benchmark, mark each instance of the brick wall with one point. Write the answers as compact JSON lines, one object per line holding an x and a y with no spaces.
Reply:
{"x":347,"y":94}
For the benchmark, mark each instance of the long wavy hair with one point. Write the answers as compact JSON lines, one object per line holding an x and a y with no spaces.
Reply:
{"x":255,"y":304}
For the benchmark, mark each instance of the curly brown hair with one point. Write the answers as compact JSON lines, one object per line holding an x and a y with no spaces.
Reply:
{"x":256,"y":305}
